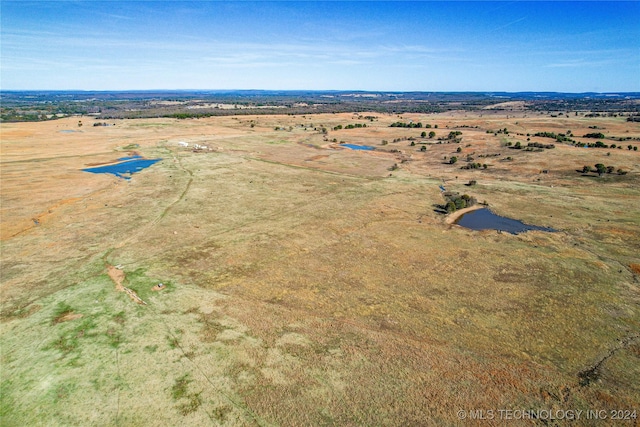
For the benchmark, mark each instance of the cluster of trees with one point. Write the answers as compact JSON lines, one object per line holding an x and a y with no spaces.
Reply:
{"x":601,"y":169}
{"x":411,"y":125}
{"x":496,"y":132}
{"x":357,"y":125}
{"x":475,"y":166}
{"x":431,"y":134}
{"x":406,"y":125}
{"x":594,"y":135}
{"x":539,"y":145}
{"x":560,"y":137}
{"x":454,"y":201}
{"x":453,"y":136}
{"x":517,"y":146}
{"x":531,"y":146}
{"x":600,"y":144}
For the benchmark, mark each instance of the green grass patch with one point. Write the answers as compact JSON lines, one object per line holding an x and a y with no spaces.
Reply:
{"x":179,"y":388}
{"x":62,"y":309}
{"x":151,"y":348}
{"x":141,"y":284}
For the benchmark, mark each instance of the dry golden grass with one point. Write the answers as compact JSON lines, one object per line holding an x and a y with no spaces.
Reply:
{"x":308,"y":284}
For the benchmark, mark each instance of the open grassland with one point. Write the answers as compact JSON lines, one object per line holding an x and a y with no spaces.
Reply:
{"x":309,"y":284}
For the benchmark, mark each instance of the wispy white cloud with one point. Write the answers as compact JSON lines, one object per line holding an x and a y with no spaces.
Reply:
{"x":580,"y":63}
{"x":507,"y":24}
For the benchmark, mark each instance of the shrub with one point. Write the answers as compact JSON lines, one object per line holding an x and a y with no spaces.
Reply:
{"x":450,"y":207}
{"x":460,"y":203}
{"x":594,"y":135}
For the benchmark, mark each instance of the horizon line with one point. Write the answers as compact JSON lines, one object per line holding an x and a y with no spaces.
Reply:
{"x":609,"y":92}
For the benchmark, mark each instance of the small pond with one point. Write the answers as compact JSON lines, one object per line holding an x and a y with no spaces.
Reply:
{"x":484,"y":219}
{"x":126,"y":168}
{"x":358,"y":147}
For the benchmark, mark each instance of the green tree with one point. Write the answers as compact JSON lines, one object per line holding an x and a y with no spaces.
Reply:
{"x":586,"y":169}
{"x":601,"y":169}
{"x":459,"y":149}
{"x":423,"y":148}
{"x":423,"y":134}
{"x":460,"y":203}
{"x":450,"y":207}
{"x":452,"y":160}
{"x":432,"y":134}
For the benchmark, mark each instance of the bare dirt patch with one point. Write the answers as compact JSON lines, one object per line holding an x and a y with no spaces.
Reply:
{"x":118,"y":276}
{"x":65,"y":317}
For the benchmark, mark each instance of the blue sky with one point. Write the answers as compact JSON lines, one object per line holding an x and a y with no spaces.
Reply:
{"x":564,"y":46}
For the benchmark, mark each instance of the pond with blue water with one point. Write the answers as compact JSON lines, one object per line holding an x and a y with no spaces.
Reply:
{"x":358,"y":147}
{"x":484,"y":219}
{"x":127,"y":167}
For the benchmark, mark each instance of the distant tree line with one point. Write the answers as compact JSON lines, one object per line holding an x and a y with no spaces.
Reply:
{"x":560,"y":137}
{"x":594,"y":135}
{"x":406,"y":125}
{"x":353,"y":126}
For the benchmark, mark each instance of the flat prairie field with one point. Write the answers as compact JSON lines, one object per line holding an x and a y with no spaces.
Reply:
{"x":264,"y":274}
